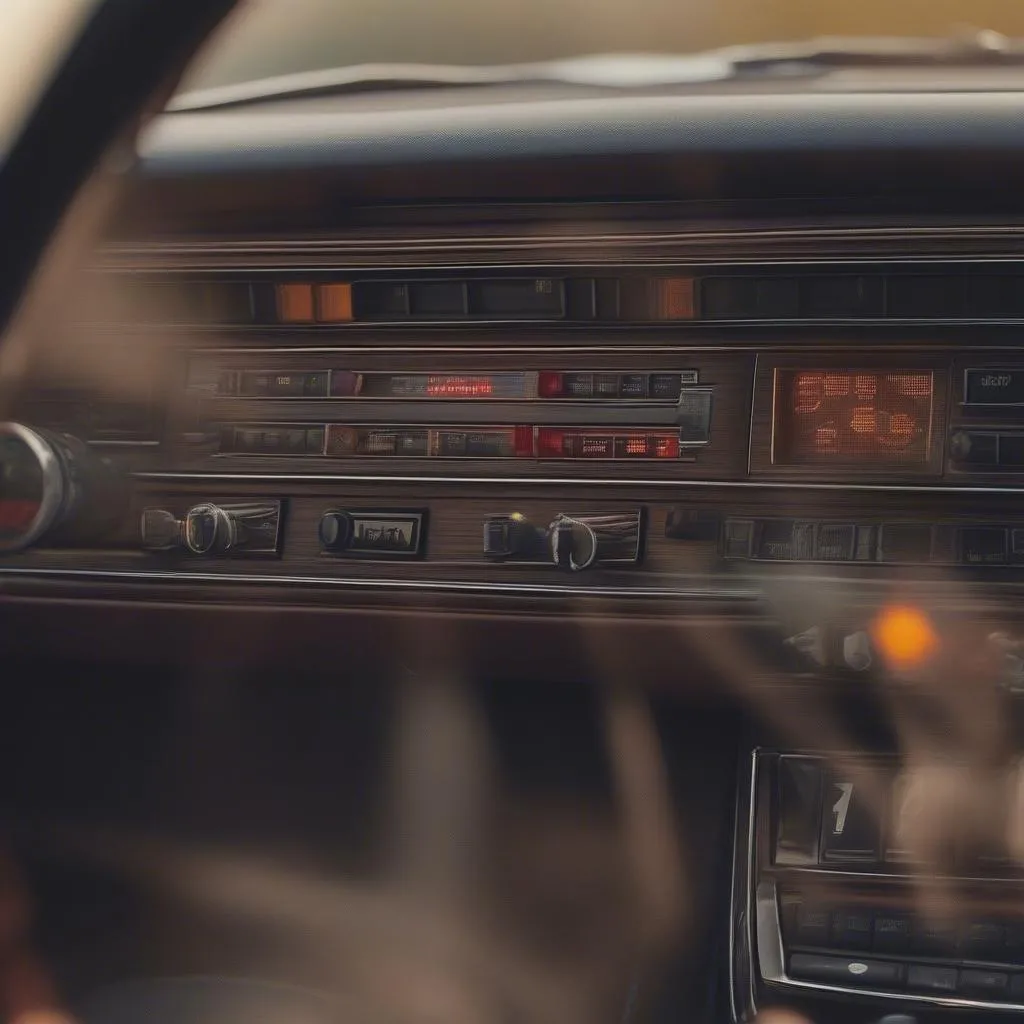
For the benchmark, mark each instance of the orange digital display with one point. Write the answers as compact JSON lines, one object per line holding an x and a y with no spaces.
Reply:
{"x":852,"y":417}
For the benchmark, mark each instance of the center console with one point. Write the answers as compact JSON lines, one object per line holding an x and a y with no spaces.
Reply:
{"x":862,"y":879}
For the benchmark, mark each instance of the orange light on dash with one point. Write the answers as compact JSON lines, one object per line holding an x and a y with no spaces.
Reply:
{"x":295,"y":303}
{"x":865,"y":387}
{"x":826,"y":439}
{"x":898,"y":430}
{"x":676,"y":298}
{"x":904,"y":636}
{"x":334,"y":303}
{"x":808,"y":392}
{"x":914,"y":385}
{"x":864,"y":419}
{"x":837,"y":385}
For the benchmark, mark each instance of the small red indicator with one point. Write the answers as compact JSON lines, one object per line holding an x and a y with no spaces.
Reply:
{"x":560,"y":443}
{"x":550,"y":385}
{"x":523,"y":443}
{"x":550,"y":443}
{"x":17,"y":514}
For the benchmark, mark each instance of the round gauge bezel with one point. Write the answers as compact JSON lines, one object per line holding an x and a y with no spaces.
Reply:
{"x":52,"y":497}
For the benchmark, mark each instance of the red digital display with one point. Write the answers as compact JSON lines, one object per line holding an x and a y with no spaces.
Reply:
{"x":517,"y":442}
{"x":856,"y":417}
{"x":459,"y":387}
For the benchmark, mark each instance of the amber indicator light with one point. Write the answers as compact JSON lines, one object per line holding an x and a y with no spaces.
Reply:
{"x":295,"y":303}
{"x":334,"y":303}
{"x":905,"y":637}
{"x":675,"y":298}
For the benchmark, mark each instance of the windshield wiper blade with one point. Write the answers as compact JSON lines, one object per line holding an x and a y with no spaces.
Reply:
{"x":623,"y":71}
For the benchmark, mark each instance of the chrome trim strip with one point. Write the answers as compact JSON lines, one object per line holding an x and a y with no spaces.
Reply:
{"x":674,"y":350}
{"x":771,"y":955}
{"x":536,"y":243}
{"x":681,"y":483}
{"x":903,"y":996}
{"x":731,"y":946}
{"x":458,"y":586}
{"x":564,"y":323}
{"x":893,"y":876}
{"x":123,"y":444}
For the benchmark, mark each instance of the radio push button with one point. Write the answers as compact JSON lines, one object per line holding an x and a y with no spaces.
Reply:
{"x":513,"y":537}
{"x":851,"y":822}
{"x":373,"y":533}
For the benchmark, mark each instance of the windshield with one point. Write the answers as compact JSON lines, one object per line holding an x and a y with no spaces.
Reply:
{"x":278,"y":37}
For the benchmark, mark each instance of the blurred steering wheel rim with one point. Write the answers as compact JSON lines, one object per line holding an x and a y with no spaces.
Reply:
{"x":124,"y":62}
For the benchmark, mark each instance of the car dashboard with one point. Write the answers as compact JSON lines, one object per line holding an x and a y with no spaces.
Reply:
{"x":718,"y":398}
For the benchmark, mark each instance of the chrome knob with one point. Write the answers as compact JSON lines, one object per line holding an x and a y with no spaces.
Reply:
{"x":209,"y":529}
{"x":573,"y":543}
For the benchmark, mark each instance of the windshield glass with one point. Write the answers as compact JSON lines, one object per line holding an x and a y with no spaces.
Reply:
{"x":277,"y":37}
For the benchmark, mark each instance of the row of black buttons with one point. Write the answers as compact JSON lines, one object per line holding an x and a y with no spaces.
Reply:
{"x":926,"y":979}
{"x":987,"y":450}
{"x":907,"y":296}
{"x":789,"y":540}
{"x":886,"y":931}
{"x":274,"y":440}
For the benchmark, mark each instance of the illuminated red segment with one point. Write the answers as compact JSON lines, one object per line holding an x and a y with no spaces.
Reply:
{"x":557,"y":443}
{"x":17,"y":514}
{"x":523,"y":443}
{"x":550,"y":443}
{"x":550,"y":385}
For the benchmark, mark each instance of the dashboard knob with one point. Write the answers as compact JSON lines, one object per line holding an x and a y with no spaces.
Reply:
{"x":573,"y":543}
{"x":161,"y":530}
{"x":512,"y":536}
{"x":857,"y":654}
{"x":335,"y":530}
{"x":210,"y":529}
{"x":55,"y":487}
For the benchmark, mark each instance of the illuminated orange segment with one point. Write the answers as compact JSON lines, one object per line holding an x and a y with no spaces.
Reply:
{"x":916,"y":385}
{"x":865,"y":387}
{"x":837,"y":385}
{"x":295,"y":303}
{"x":864,"y":419}
{"x":334,"y":303}
{"x":904,"y":636}
{"x":676,"y":298}
{"x":809,"y":388}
